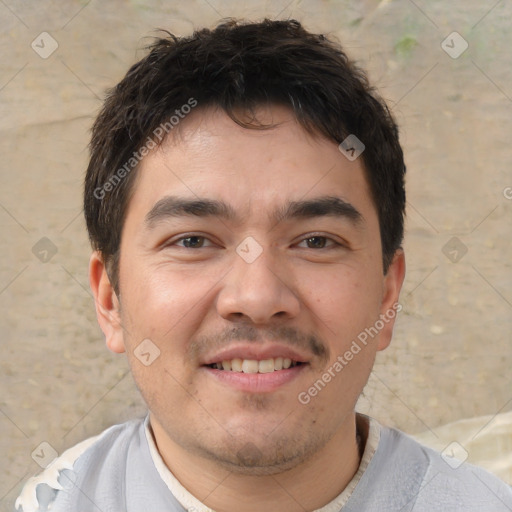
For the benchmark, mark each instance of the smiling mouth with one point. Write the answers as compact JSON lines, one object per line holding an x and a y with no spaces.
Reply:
{"x":255,"y":366}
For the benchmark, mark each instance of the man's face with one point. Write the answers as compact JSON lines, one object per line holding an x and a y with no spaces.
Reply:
{"x":251,"y":247}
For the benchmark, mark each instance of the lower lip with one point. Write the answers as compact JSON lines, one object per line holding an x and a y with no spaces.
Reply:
{"x":256,"y":382}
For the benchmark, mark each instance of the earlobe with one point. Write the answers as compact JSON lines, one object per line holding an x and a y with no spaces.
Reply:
{"x":107,"y":303}
{"x":390,"y":306}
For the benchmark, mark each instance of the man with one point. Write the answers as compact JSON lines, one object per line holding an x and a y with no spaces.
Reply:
{"x":245,"y":201}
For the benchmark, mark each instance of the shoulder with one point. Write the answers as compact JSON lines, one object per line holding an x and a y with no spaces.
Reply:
{"x":446,"y":482}
{"x":86,"y":458}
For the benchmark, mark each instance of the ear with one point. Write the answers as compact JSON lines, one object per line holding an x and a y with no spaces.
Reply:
{"x":390,"y":306}
{"x":107,"y":303}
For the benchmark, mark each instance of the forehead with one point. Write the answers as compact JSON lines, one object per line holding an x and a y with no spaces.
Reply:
{"x":251,"y":169}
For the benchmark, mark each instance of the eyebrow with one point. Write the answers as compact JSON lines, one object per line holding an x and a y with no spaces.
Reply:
{"x":172,"y":206}
{"x":326,"y":206}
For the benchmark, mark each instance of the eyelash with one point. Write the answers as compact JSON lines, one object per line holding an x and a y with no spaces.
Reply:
{"x":186,"y":238}
{"x":333,"y":244}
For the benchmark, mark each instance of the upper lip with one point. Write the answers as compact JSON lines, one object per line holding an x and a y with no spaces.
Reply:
{"x":256,"y":352}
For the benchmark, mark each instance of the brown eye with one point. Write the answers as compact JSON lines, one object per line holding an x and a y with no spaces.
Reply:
{"x":192,"y":242}
{"x":316,"y":242}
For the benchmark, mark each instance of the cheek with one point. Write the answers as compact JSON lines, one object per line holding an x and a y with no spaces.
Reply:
{"x":345,"y":300}
{"x":161,"y":311}
{"x":162,"y":302}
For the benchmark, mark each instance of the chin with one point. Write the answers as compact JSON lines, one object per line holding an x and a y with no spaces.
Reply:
{"x":250,"y":461}
{"x":264,"y":456}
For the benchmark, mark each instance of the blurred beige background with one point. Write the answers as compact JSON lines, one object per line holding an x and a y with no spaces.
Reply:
{"x":451,"y":355}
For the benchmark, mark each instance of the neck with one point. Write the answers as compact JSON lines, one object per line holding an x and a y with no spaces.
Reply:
{"x":309,"y":486}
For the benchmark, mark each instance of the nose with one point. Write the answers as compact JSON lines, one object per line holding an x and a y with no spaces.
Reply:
{"x":258,"y":291}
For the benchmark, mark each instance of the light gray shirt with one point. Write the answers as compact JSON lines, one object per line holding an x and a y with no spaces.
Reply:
{"x":121,"y":471}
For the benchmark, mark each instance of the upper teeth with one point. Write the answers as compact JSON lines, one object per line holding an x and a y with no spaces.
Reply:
{"x":253,"y":366}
